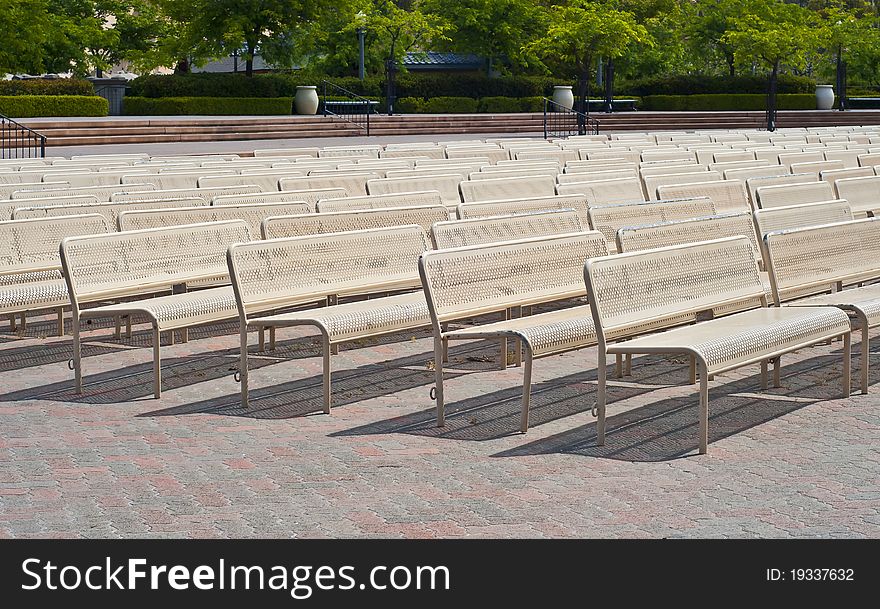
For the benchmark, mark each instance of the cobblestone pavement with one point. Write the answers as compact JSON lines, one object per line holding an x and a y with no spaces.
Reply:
{"x":792,"y":462}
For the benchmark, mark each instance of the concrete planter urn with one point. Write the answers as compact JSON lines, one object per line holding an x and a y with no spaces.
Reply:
{"x":306,"y":100}
{"x":824,"y":97}
{"x":563,"y":96}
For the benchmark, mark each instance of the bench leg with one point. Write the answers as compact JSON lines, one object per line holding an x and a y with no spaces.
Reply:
{"x":704,"y":409}
{"x":271,"y":338}
{"x":601,"y":373}
{"x":847,"y":348}
{"x":60,"y":327}
{"x":692,"y":370}
{"x":866,"y":352}
{"x":184,"y":335}
{"x":438,"y":380}
{"x":503,"y":342}
{"x":332,"y":300}
{"x":117,"y":330}
{"x":628,"y":367}
{"x":327,"y":350}
{"x":157,"y":371}
{"x":23,"y":321}
{"x":777,"y":380}
{"x":243,"y":364}
{"x":128,"y":326}
{"x":618,"y":366}
{"x":527,"y":392}
{"x":262,"y":344}
{"x":12,"y":322}
{"x":171,"y":337}
{"x":764,"y":375}
{"x":77,"y":355}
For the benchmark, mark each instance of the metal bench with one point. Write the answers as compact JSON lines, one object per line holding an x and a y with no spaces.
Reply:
{"x":206,"y":194}
{"x":753,"y":184}
{"x":469,"y":282}
{"x":649,"y":291}
{"x":485,"y":209}
{"x":832,"y":175}
{"x":507,"y":188}
{"x":8,"y":207}
{"x":110,"y":211}
{"x":352,"y":184}
{"x":282,"y":273}
{"x":400,"y":199}
{"x":140,"y":263}
{"x":608,"y":219}
{"x":654,"y":182}
{"x":726,"y":195}
{"x":606,"y":192}
{"x":309,"y":197}
{"x":342,"y":221}
{"x":863,"y":194}
{"x":793,"y":194}
{"x":821,"y":260}
{"x":252,"y":213}
{"x":30,"y":268}
{"x":477,"y":231}
{"x":445,"y":184}
{"x":268,"y":182}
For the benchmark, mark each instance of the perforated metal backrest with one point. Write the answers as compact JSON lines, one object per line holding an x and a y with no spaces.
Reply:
{"x":477,"y":231}
{"x":816,"y":166}
{"x":726,"y":195}
{"x":794,"y":194}
{"x":343,"y":221}
{"x":658,"y":287}
{"x":79,"y":180}
{"x":491,"y":155}
{"x":301,"y":269}
{"x":110,"y":211}
{"x":468,"y":281}
{"x":789,"y":158}
{"x":832,"y":175}
{"x":403,"y":199}
{"x":744,"y":173}
{"x":798,"y":216}
{"x":863,"y":194}
{"x":309,"y":197}
{"x":606,"y":192}
{"x":353,"y":185}
{"x":25,"y":190}
{"x":168,"y":181}
{"x":103,"y":193}
{"x":7,"y":207}
{"x":507,"y":188}
{"x":656,"y":169}
{"x":867,"y":160}
{"x":445,"y":184}
{"x":252,"y":213}
{"x":595,"y":176}
{"x":529,"y":205}
{"x":537,"y":155}
{"x":653,"y":183}
{"x":268,"y":182}
{"x":104,"y":266}
{"x":31,"y":246}
{"x":514,"y":173}
{"x":820,"y":256}
{"x":676,"y":232}
{"x":206,"y":194}
{"x":753,"y":184}
{"x":608,"y":219}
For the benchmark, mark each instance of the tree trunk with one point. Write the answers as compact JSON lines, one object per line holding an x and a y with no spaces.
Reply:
{"x":182,"y":66}
{"x":771,"y":97}
{"x":249,"y":60}
{"x":731,"y":65}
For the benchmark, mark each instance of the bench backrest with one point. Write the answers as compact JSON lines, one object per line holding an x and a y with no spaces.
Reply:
{"x":268,"y":182}
{"x":284,"y":272}
{"x":436,"y":152}
{"x":753,"y":184}
{"x":726,"y":195}
{"x":105,"y":266}
{"x":402,"y":199}
{"x":608,"y":219}
{"x":789,"y":158}
{"x":832,"y":175}
{"x":550,"y":171}
{"x":31,"y":246}
{"x":352,"y":184}
{"x":744,"y":173}
{"x":343,"y":221}
{"x":492,"y":155}
{"x":794,"y":194}
{"x":869,"y":160}
{"x":816,"y":166}
{"x":78,"y":180}
{"x":470,"y":281}
{"x":520,"y":206}
{"x":861,"y":193}
{"x":445,"y":184}
{"x":23,"y":190}
{"x":252,"y":213}
{"x":652,"y":183}
{"x":506,"y":188}
{"x":309,"y":197}
{"x":656,"y":169}
{"x":110,"y":211}
{"x":461,"y":233}
{"x":606,"y":192}
{"x":676,"y":232}
{"x":9,"y":206}
{"x":816,"y":258}
{"x":103,"y":193}
{"x":206,"y":194}
{"x":798,"y":216}
{"x":595,"y":176}
{"x":651,"y":289}
{"x":169,"y":181}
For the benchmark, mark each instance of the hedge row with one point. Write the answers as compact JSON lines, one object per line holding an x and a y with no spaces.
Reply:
{"x":142,"y":106}
{"x":785,"y":101}
{"x":26,"y":106}
{"x":466,"y":105}
{"x":699,"y":84}
{"x":43,"y":86}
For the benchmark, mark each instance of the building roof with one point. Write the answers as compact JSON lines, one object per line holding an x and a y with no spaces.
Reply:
{"x":227,"y":65}
{"x":431,"y":60}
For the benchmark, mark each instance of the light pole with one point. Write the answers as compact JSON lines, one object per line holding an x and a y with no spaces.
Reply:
{"x":361,"y":32}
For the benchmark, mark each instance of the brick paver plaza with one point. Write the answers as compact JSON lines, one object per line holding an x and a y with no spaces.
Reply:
{"x":795,"y":461}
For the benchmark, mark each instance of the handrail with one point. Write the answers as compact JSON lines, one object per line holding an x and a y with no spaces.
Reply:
{"x":20,"y":142}
{"x":361,"y":119}
{"x":562,"y":121}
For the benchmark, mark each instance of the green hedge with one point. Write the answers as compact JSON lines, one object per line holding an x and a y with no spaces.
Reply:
{"x":789,"y":101}
{"x":26,"y":106}
{"x":44,"y":86}
{"x":142,"y":106}
{"x":698,"y":84}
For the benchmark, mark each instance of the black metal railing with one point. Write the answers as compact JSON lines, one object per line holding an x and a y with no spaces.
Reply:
{"x":562,"y":121}
{"x":353,"y":108}
{"x":20,"y":142}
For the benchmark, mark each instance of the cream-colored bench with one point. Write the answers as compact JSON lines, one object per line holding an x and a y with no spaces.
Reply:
{"x":653,"y":183}
{"x":507,"y":188}
{"x":268,"y":182}
{"x":726,"y":195}
{"x":743,"y":174}
{"x":608,"y":219}
{"x":445,"y":184}
{"x":606,"y":192}
{"x":282,"y":273}
{"x":594,"y":176}
{"x":832,"y":175}
{"x":9,"y":206}
{"x":401,"y":199}
{"x":309,"y":197}
{"x":252,"y":213}
{"x":103,"y":193}
{"x":821,"y":260}
{"x":485,"y":209}
{"x":799,"y":216}
{"x":634,"y":293}
{"x":352,"y":184}
{"x":342,"y":221}
{"x":863,"y":194}
{"x":477,"y":231}
{"x":469,"y":282}
{"x":206,"y":194}
{"x":110,"y":211}
{"x":139,"y":263}
{"x":30,"y":268}
{"x":794,"y":194}
{"x":171,"y":181}
{"x":753,"y":184}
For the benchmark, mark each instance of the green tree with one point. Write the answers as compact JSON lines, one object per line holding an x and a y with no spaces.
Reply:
{"x":581,"y":32}
{"x":709,"y":22}
{"x":846,"y":31}
{"x":772,"y":33}
{"x":24,"y":51}
{"x":494,"y":29}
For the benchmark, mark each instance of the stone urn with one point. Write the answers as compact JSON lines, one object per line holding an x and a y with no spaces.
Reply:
{"x":824,"y":97}
{"x":563,"y":96}
{"x":306,"y":100}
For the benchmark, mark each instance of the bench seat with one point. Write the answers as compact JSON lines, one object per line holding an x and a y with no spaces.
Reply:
{"x":32,"y":295}
{"x":175,"y":311}
{"x":744,"y":338}
{"x":358,"y":319}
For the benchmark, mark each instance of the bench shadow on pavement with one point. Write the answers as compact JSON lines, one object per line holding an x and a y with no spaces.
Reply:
{"x":668,"y":429}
